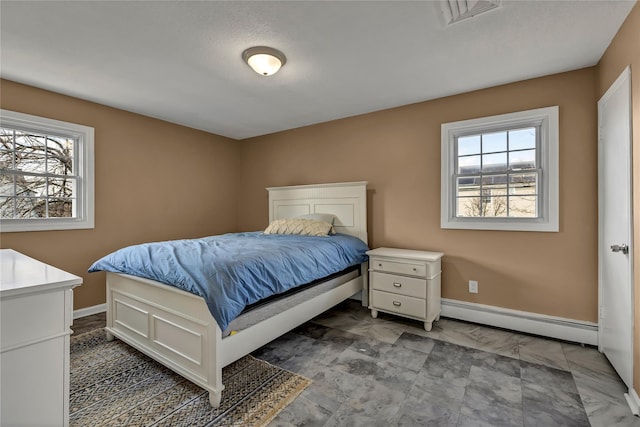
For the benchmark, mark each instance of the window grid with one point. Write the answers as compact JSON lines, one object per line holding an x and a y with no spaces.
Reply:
{"x":485,"y":195}
{"x":48,"y":178}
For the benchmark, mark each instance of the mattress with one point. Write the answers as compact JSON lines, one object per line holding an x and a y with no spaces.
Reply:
{"x":265,"y":309}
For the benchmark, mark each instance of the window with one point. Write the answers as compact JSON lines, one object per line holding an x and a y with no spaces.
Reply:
{"x":46,"y":174}
{"x":501,"y":172}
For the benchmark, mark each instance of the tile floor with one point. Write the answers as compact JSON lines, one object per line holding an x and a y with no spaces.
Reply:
{"x":390,"y":372}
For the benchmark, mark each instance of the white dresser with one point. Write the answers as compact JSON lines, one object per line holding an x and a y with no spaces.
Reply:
{"x":36,"y":308}
{"x":406,"y":283}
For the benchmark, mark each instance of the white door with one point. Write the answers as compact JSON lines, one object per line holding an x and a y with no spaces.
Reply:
{"x":615,"y":233}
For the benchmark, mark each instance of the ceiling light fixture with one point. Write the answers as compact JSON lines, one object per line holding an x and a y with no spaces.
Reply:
{"x":264,"y":60}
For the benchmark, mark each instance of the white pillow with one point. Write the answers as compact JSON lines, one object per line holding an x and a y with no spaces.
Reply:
{"x":330,"y":218}
{"x":300,"y":226}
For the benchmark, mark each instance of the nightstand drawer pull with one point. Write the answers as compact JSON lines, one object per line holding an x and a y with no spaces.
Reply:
{"x":397,"y":303}
{"x":397,"y":285}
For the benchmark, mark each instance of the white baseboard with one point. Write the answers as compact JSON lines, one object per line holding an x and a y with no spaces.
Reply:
{"x":88,"y":311}
{"x":522,"y":321}
{"x":634,"y":402}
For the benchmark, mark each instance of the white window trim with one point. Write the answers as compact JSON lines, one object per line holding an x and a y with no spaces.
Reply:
{"x":85,"y":161}
{"x":549,"y":154}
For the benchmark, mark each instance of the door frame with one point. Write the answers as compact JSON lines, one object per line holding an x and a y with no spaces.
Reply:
{"x":623,"y":79}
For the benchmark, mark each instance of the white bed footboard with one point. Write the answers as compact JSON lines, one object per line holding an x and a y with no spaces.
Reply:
{"x":169,"y":325}
{"x":176,"y":328}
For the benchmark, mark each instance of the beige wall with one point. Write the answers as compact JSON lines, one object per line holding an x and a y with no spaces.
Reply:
{"x":153,"y":181}
{"x":398,"y":152}
{"x":625,"y":50}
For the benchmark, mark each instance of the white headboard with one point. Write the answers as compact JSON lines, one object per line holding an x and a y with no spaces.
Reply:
{"x":346,"y":200}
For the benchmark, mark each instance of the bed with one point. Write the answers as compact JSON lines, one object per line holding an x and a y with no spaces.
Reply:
{"x":177,"y":329}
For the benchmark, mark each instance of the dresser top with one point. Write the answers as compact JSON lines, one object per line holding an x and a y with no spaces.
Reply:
{"x":20,"y":274}
{"x":405,"y":254}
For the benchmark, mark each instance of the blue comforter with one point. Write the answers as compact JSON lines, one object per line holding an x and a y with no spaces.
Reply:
{"x":234,"y":270}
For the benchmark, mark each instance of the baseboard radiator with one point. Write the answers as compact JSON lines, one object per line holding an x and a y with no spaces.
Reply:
{"x":522,"y":321}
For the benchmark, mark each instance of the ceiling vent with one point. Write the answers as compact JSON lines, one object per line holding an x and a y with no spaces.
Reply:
{"x":459,"y":10}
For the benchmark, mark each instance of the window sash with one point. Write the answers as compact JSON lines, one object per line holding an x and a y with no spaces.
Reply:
{"x":507,"y":171}
{"x":47,"y":177}
{"x":508,"y":196}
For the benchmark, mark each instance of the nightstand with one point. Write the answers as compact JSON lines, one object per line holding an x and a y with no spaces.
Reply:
{"x":406,"y":283}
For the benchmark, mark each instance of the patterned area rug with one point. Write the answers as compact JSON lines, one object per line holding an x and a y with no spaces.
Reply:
{"x":113,"y":384}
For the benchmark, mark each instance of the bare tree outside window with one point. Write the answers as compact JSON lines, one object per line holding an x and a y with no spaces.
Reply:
{"x":496,"y":199}
{"x":37,"y":176}
{"x":485,"y":206}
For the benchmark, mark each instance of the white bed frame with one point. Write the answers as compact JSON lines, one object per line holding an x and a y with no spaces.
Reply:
{"x":175,"y":327}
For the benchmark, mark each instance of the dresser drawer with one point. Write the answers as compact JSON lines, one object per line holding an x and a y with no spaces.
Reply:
{"x":409,"y":286}
{"x":401,"y":304}
{"x":408,"y":268}
{"x":30,"y":318}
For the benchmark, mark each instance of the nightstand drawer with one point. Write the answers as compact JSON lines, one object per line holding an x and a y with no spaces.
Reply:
{"x":400,"y":304}
{"x":411,"y":269}
{"x":409,"y":286}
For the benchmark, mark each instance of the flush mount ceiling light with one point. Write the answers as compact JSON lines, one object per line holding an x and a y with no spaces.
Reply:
{"x":264,"y":60}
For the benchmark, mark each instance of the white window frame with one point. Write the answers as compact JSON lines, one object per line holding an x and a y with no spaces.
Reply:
{"x":548,"y":121}
{"x":84,"y":159}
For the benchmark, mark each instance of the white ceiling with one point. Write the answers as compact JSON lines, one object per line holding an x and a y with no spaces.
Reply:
{"x":180,"y":61}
